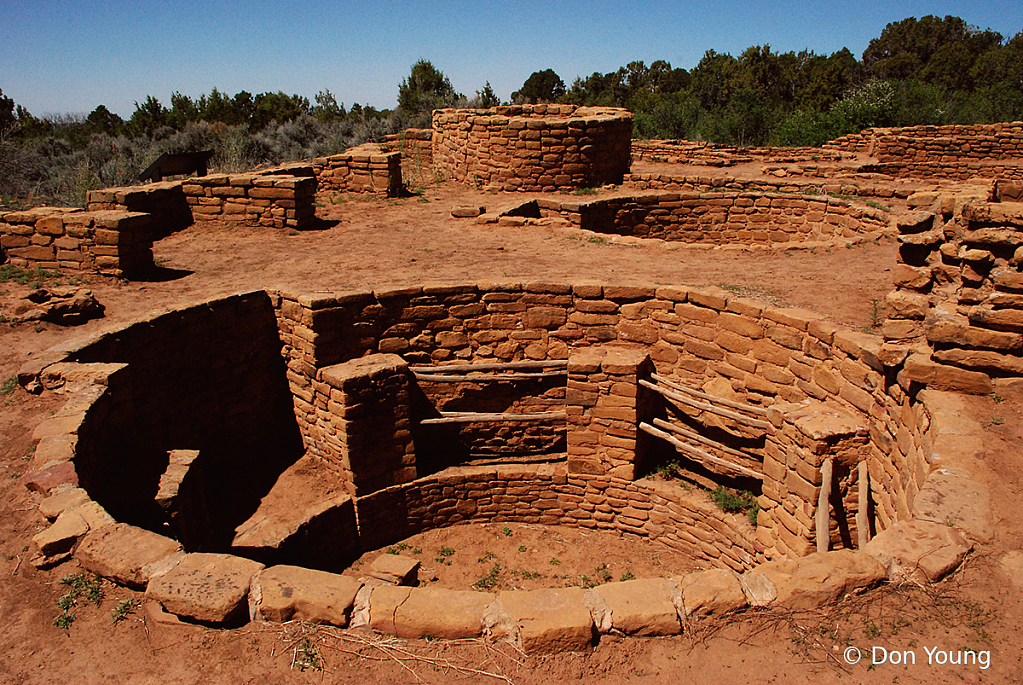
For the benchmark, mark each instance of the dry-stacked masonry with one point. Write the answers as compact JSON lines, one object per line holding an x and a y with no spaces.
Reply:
{"x":959,"y":288}
{"x":210,"y":425}
{"x":532,"y":148}
{"x":119,"y":243}
{"x":957,"y":151}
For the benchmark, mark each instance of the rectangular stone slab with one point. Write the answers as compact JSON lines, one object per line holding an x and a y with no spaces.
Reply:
{"x":446,"y":614}
{"x":124,"y":554}
{"x":552,"y":620}
{"x":642,"y":607}
{"x":286,"y":593}
{"x":205,"y":587}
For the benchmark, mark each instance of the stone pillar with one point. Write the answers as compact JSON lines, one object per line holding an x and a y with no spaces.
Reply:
{"x":368,"y":412}
{"x":604,"y":408}
{"x":810,"y":433}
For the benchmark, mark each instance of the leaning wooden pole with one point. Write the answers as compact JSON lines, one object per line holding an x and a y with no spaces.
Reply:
{"x":823,"y":519}
{"x":863,"y":502}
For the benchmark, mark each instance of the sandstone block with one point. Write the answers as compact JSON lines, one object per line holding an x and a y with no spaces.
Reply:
{"x":383,"y":604}
{"x":948,"y":496}
{"x":820,"y":578}
{"x":920,"y":549}
{"x":551,"y":620}
{"x":641,"y":607}
{"x":395,"y":569}
{"x":62,"y":535}
{"x":710,"y":593}
{"x":447,"y":614}
{"x":125,"y":554}
{"x":211,"y":588}
{"x":292,"y":593}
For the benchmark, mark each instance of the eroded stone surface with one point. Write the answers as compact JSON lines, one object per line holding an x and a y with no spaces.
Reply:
{"x":205,"y":587}
{"x":124,"y":553}
{"x":395,"y":569}
{"x":820,"y":578}
{"x":383,"y":603}
{"x":286,"y":593}
{"x":54,"y":505}
{"x":950,"y":497}
{"x":641,"y":607}
{"x":712,"y":592}
{"x":447,"y":614}
{"x":62,"y":535}
{"x":551,"y":620}
{"x":920,"y":549}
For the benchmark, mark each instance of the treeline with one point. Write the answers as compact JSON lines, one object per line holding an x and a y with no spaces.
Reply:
{"x":918,"y":71}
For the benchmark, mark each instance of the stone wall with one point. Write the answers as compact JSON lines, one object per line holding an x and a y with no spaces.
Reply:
{"x":851,"y":187}
{"x":363,"y":429}
{"x":206,"y":378}
{"x":255,"y":199}
{"x":958,"y":288}
{"x":722,"y":218}
{"x":368,"y":168}
{"x":118,"y":243}
{"x":532,"y":148}
{"x":767,"y":355}
{"x":126,"y":389}
{"x":667,"y":513}
{"x":958,"y":151}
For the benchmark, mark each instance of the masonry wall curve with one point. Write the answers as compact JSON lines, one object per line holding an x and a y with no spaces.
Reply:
{"x":533,"y":148}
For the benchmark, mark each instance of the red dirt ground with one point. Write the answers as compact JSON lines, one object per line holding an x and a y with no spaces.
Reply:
{"x":392,"y":243}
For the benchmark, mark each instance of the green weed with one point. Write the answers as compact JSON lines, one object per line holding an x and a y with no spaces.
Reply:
{"x":506,"y":531}
{"x":9,"y":385}
{"x":489,"y":581}
{"x":123,"y":609}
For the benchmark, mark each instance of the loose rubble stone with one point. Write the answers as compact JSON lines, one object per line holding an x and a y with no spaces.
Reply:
{"x":395,"y":569}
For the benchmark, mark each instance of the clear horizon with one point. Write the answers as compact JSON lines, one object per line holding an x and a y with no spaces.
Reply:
{"x":60,"y":57}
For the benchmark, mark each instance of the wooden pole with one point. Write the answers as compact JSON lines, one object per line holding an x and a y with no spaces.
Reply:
{"x":693,"y":435}
{"x":823,"y":519}
{"x":472,"y":417}
{"x":491,"y":366}
{"x":862,"y":515}
{"x":756,"y":411}
{"x":698,"y":454}
{"x":486,"y":378}
{"x":679,"y":397}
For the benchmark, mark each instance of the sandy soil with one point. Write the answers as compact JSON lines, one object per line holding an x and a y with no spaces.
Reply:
{"x":376,"y":243}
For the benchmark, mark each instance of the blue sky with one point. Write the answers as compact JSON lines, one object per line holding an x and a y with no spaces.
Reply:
{"x":60,"y":57}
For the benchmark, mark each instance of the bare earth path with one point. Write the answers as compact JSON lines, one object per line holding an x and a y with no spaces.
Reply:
{"x":386,"y":244}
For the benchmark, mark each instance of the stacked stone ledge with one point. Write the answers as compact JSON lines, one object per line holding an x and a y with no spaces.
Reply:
{"x":957,"y":289}
{"x":958,"y":151}
{"x":118,"y":243}
{"x":532,"y":148}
